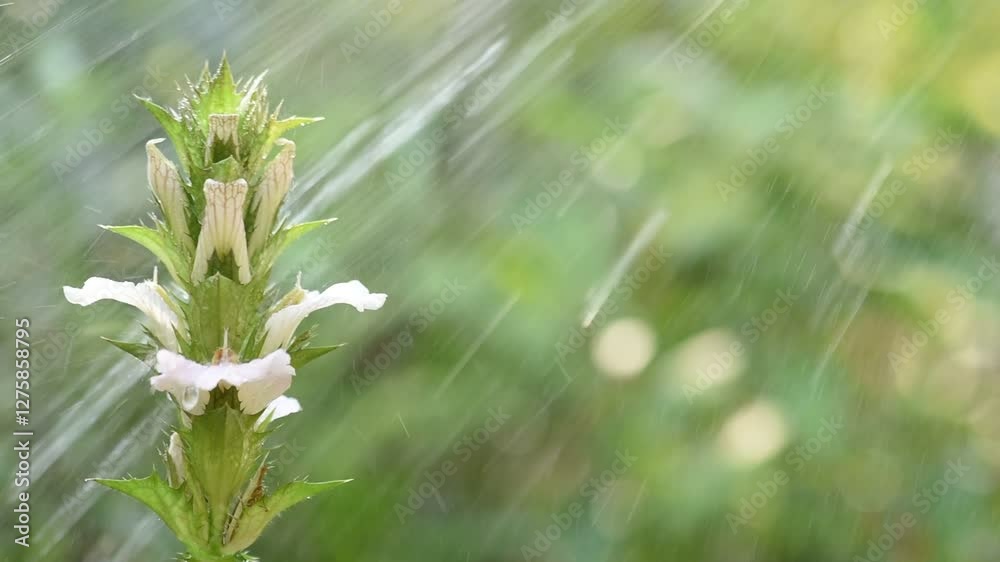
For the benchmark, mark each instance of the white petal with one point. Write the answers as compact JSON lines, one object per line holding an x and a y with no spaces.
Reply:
{"x":268,"y":197}
{"x":176,"y":453}
{"x":185,"y":380}
{"x":144,"y":296}
{"x":222,"y":127}
{"x":222,"y":229}
{"x":258,"y":382}
{"x":262,"y":380}
{"x":281,"y":326}
{"x":166,"y":185}
{"x":278,"y":408}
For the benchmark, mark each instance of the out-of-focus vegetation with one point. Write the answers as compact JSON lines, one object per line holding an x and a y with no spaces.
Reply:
{"x":775,"y":216}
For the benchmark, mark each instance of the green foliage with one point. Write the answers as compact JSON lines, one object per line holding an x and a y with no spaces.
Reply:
{"x":142,"y":351}
{"x":257,"y":515}
{"x":174,"y":506}
{"x":305,"y":355}
{"x":162,"y":246}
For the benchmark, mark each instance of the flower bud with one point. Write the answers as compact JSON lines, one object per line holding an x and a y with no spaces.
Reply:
{"x":222,"y":230}
{"x":175,"y":452}
{"x":270,"y":194}
{"x":166,"y":185}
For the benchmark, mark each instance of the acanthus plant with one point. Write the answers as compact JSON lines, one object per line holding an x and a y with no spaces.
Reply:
{"x":223,"y":342}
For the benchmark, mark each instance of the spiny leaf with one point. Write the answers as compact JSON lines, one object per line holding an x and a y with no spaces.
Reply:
{"x":172,"y":505}
{"x":258,"y":515}
{"x":175,"y":130}
{"x":273,"y":131}
{"x":293,"y":233}
{"x":282,"y":239}
{"x":306,"y":355}
{"x":141,"y":351}
{"x":156,"y":242}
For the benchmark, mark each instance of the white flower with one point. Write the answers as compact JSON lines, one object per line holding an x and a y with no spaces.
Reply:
{"x":258,"y":382}
{"x":222,"y":230}
{"x":166,"y":184}
{"x":281,"y":326}
{"x":176,"y":454}
{"x":278,"y":408}
{"x":146,"y":296}
{"x":222,"y":127}
{"x":268,"y":197}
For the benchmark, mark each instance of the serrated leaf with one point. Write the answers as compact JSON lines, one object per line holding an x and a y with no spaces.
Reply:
{"x":141,"y":351}
{"x":174,"y":128}
{"x":272,"y":132}
{"x":293,"y":233}
{"x":170,"y":504}
{"x":159,"y":245}
{"x":306,"y":355}
{"x":278,"y":128}
{"x":255,"y":517}
{"x":282,"y":239}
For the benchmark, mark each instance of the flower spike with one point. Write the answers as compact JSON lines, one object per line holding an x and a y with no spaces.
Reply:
{"x":223,"y":346}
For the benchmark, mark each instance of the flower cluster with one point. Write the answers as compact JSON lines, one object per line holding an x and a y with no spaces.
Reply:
{"x":224,"y":345}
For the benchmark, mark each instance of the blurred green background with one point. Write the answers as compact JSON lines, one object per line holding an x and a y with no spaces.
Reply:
{"x":667,"y":280}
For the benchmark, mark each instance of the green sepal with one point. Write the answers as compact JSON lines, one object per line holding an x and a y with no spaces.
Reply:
{"x":156,"y":242}
{"x":307,"y":355}
{"x":255,"y":517}
{"x":141,"y":351}
{"x":172,"y":505}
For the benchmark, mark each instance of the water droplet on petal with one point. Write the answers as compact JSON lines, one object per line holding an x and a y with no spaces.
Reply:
{"x":190,"y":398}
